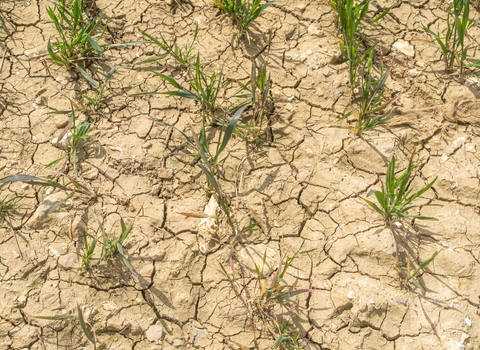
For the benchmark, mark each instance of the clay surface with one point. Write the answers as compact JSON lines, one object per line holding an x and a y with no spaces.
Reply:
{"x":302,"y":184}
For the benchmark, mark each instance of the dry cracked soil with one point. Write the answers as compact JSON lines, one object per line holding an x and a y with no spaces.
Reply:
{"x":193,"y":282}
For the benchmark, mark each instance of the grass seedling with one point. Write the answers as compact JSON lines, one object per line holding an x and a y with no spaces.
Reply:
{"x":204,"y":89}
{"x":114,"y":244}
{"x":183,"y":55}
{"x":78,"y":41}
{"x":452,"y":44}
{"x":258,"y":87}
{"x":211,"y":161}
{"x":242,"y":12}
{"x":350,"y":15}
{"x":287,"y":337}
{"x":411,"y":274}
{"x":89,"y":250}
{"x":77,"y":134}
{"x":396,"y":197}
{"x":101,"y":88}
{"x":369,"y":112}
{"x":9,"y":206}
{"x":270,"y":290}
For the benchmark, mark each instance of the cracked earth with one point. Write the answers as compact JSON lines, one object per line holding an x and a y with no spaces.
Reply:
{"x":303,"y":186}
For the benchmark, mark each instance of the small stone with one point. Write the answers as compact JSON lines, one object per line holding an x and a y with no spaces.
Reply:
{"x":301,"y":7}
{"x":147,"y":145}
{"x":444,"y":158}
{"x":326,"y":71}
{"x":314,"y":30}
{"x":46,"y":208}
{"x":404,"y":47}
{"x":156,"y":189}
{"x":459,"y":142}
{"x":177,"y":343}
{"x":468,"y":322}
{"x":164,"y":173}
{"x":154,"y":333}
{"x":58,"y":249}
{"x":109,"y":306}
{"x":420,"y":64}
{"x":15,"y":254}
{"x":91,"y":174}
{"x":414,"y":72}
{"x":470,"y":147}
{"x":303,"y":175}
{"x":68,"y":261}
{"x":472,"y":81}
{"x":64,"y":142}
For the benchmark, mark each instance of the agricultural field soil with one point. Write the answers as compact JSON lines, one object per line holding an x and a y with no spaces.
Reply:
{"x":193,"y":283}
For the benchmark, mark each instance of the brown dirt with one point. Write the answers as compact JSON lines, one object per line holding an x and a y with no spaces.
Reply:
{"x":304,"y":186}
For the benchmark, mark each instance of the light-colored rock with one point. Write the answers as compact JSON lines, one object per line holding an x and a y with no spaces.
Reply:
{"x":68,"y":261}
{"x":109,"y":305}
{"x":314,"y":30}
{"x":154,"y":333}
{"x":164,"y":173}
{"x":177,"y":343}
{"x":207,"y":241}
{"x":91,"y":174}
{"x":472,"y":81}
{"x":64,"y":142}
{"x":404,"y":47}
{"x":414,"y":72}
{"x":58,"y":249}
{"x":45,"y":211}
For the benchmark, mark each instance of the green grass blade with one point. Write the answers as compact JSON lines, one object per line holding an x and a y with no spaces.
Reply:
{"x":422,"y":191}
{"x":390,"y":178}
{"x":88,"y":77}
{"x":84,"y":325}
{"x":229,"y":131}
{"x":94,"y":44}
{"x":153,"y":59}
{"x":416,"y":283}
{"x":428,"y":261}
{"x":374,"y":206}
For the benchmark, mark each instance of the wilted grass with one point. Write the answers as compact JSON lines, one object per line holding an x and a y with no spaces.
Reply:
{"x":370,"y":111}
{"x":211,"y":160}
{"x":76,"y":187}
{"x":270,"y":290}
{"x":258,"y":91}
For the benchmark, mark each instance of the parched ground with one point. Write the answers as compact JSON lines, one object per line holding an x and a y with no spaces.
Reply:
{"x":303,"y":184}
